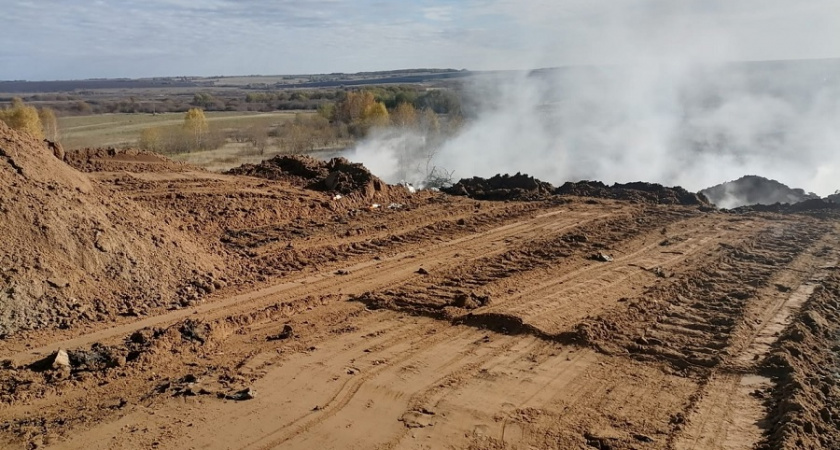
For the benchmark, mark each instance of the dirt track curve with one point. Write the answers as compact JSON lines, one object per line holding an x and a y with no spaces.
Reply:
{"x":439,"y":323}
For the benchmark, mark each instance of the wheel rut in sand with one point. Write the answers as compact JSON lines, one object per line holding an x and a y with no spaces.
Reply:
{"x":646,"y":351}
{"x":732,"y":412}
{"x":355,"y":279}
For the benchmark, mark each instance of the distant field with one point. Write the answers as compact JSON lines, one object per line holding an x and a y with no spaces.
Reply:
{"x":118,"y":130}
{"x":235,"y":154}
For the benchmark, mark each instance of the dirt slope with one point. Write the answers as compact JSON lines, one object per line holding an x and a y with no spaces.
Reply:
{"x":643,"y":319}
{"x":75,"y":250}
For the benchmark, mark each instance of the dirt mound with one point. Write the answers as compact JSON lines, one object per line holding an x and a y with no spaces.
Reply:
{"x":502,"y":187}
{"x":638,"y":191}
{"x":74,"y":250}
{"x":815,"y":207}
{"x":336,"y":175}
{"x":805,"y":407}
{"x":754,"y":190}
{"x":118,"y":160}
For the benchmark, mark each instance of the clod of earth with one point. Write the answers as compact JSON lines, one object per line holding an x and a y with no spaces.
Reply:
{"x":600,"y":256}
{"x":286,"y":333}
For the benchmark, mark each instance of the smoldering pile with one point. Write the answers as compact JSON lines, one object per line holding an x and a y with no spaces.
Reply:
{"x":755,"y":190}
{"x":336,"y":175}
{"x":502,"y":187}
{"x":638,"y":191}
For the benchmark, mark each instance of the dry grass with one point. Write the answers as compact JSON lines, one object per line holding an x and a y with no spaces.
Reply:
{"x":234,"y":154}
{"x":122,"y":130}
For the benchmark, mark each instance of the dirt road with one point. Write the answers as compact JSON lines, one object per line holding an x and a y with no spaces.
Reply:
{"x":443,"y":323}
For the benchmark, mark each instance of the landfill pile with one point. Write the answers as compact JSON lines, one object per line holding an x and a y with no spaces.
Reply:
{"x":754,"y":190}
{"x":502,"y":187}
{"x":640,"y":192}
{"x":336,"y":175}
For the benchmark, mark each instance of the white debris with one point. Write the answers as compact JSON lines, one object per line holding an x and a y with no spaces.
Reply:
{"x":408,"y":187}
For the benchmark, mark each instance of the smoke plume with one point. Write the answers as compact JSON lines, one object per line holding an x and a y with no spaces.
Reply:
{"x":685,"y":120}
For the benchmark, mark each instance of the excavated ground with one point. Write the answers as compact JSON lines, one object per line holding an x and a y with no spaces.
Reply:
{"x":434,"y":321}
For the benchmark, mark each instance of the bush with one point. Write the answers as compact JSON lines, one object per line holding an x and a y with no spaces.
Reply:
{"x":24,"y":118}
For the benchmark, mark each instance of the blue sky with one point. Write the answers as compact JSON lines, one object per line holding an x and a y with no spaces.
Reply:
{"x":63,"y":39}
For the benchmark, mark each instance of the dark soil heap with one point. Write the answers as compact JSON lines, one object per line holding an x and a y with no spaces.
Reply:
{"x":502,"y":187}
{"x":336,"y":175}
{"x":638,"y":191}
{"x":814,"y":207}
{"x":117,"y":160}
{"x":73,"y":250}
{"x":754,"y":190}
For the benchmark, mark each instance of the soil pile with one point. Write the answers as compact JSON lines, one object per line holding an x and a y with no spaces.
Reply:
{"x":805,"y":407}
{"x":75,"y":250}
{"x":118,"y":160}
{"x":754,"y":190}
{"x":502,"y":187}
{"x":640,"y":192}
{"x":336,"y":175}
{"x":815,"y":207}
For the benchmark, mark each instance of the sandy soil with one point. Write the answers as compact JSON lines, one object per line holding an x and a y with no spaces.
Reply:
{"x":445,"y":322}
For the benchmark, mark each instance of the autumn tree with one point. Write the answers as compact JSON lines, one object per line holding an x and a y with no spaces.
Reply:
{"x":22,"y":117}
{"x":195,"y":124}
{"x":49,"y":124}
{"x":375,"y":115}
{"x":428,"y":121}
{"x":351,"y":109}
{"x":404,"y":116}
{"x":360,"y":111}
{"x":152,"y":139}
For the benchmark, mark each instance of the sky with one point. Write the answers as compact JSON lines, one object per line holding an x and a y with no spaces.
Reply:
{"x":62,"y":39}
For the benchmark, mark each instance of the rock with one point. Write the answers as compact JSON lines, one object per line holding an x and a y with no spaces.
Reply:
{"x":61,"y":360}
{"x":417,"y":419}
{"x":642,"y":437}
{"x":470,"y":301}
{"x":600,"y":256}
{"x":58,"y":282}
{"x":285,"y":334}
{"x":244,"y":394}
{"x":575,"y":238}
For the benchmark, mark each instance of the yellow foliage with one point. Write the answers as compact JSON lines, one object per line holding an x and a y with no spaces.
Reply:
{"x":429,"y":121}
{"x":376,"y":115}
{"x":404,"y":115}
{"x":49,"y":123}
{"x":196,"y":125}
{"x":23,"y":118}
{"x":151,"y":139}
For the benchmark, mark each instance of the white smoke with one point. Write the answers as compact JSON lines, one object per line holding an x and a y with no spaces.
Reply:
{"x":675,"y":120}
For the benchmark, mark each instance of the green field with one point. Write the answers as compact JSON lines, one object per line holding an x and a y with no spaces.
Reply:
{"x":123,"y":130}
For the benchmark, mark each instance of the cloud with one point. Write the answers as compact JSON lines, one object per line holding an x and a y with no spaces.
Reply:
{"x":56,"y":39}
